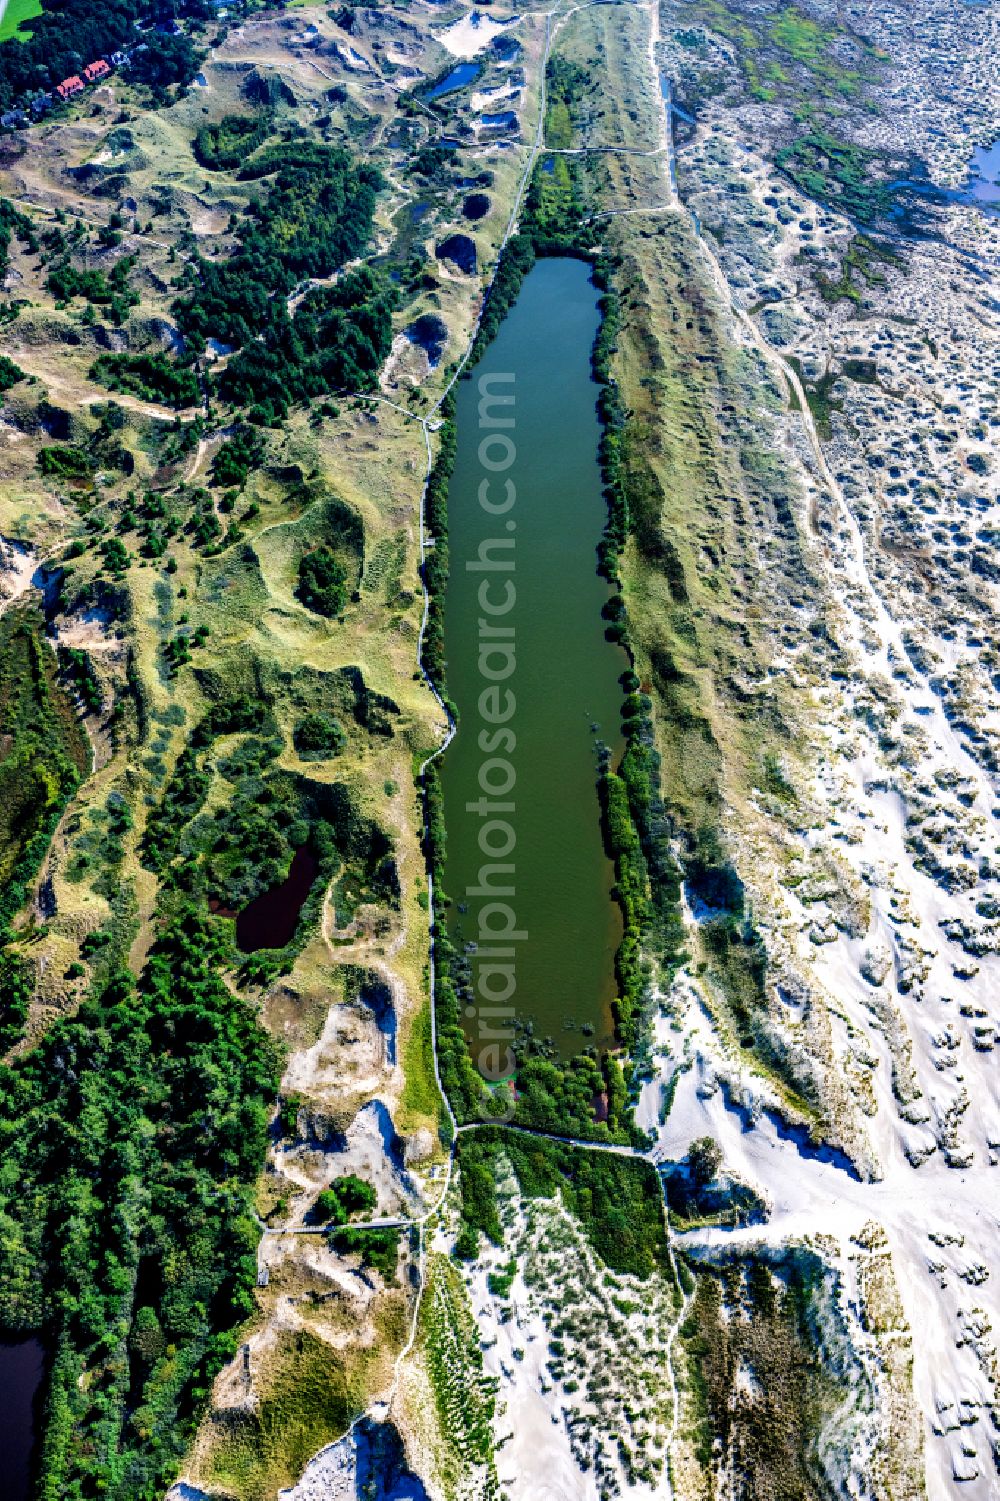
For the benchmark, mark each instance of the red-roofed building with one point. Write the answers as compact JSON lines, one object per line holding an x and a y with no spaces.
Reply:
{"x":69,"y":87}
{"x":93,"y":71}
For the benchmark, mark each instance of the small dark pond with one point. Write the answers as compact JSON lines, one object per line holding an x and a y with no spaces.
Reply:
{"x":431,"y":333}
{"x":464,"y":74}
{"x":505,"y":119}
{"x":21,"y":1367}
{"x":476,"y":206}
{"x":460,"y":250}
{"x":269,"y":920}
{"x":506,"y":48}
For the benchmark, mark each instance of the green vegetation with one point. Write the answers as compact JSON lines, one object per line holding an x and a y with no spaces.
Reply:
{"x":322,"y":583}
{"x":420,"y":1091}
{"x":679,"y":446}
{"x":226,"y":146}
{"x":464,"y":1395}
{"x":66,"y":281}
{"x":819,"y":396}
{"x":788,"y":55}
{"x":647,"y":877}
{"x":344,"y":696}
{"x":616,"y":1199}
{"x":78,"y":670}
{"x":43,"y":755}
{"x":317,"y":214}
{"x":153,"y":376}
{"x":10,"y":373}
{"x":59,"y":462}
{"x":337,"y":340}
{"x":800,"y":39}
{"x":565,"y":83}
{"x":747,"y":1318}
{"x":58,"y":38}
{"x":12,"y":222}
{"x":811,"y":68}
{"x":16,"y":13}
{"x":238,"y":457}
{"x":133,"y":1134}
{"x":164,"y":61}
{"x":348,"y":1195}
{"x":329,"y":573}
{"x":556,"y":200}
{"x":432,"y":160}
{"x":115,"y":555}
{"x":311,"y":1393}
{"x":696,"y":1195}
{"x":318,"y":737}
{"x":435,"y":566}
{"x":858,"y":270}
{"x":100,"y":845}
{"x":704,"y":1159}
{"x":377,"y":1248}
{"x":135,"y":1130}
{"x":735,"y":956}
{"x":514,"y":265}
{"x":246,"y":845}
{"x":849,"y":178}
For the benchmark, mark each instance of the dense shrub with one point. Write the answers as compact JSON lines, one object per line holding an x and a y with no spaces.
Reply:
{"x":135,"y":1131}
{"x":336,"y":341}
{"x":617,"y":1199}
{"x":316,"y":215}
{"x":43,"y":753}
{"x":318,"y":736}
{"x":154,"y":376}
{"x":165,"y":60}
{"x":322,"y":585}
{"x":66,"y":281}
{"x":64,"y":463}
{"x":238,"y":457}
{"x":10,"y":373}
{"x":348,"y":1195}
{"x":225,"y":146}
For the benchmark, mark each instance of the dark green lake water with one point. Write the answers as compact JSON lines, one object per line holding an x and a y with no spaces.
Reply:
{"x":530,"y":694}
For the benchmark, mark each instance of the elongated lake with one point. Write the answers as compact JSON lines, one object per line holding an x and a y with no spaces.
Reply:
{"x":532,"y":675}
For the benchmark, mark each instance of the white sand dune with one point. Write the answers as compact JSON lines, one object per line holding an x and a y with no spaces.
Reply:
{"x":473,"y":33}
